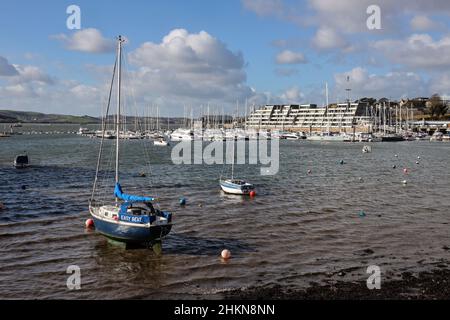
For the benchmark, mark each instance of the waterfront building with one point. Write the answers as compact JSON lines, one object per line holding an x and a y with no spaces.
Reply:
{"x":341,"y":117}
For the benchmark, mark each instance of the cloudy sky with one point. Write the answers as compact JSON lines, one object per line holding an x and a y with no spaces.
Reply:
{"x":188,"y":54}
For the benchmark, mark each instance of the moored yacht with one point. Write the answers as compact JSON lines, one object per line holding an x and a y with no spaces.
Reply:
{"x":437,"y":136}
{"x":182,"y":135}
{"x":236,"y":186}
{"x":328,"y":136}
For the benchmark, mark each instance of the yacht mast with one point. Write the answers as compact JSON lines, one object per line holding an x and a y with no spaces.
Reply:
{"x":232,"y":164}
{"x":119,"y":65}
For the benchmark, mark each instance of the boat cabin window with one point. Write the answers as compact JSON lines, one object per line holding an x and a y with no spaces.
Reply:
{"x":136,"y":211}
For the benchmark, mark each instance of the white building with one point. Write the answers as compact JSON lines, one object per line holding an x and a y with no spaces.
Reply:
{"x":309,"y":117}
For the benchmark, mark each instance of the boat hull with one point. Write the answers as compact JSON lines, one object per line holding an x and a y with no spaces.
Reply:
{"x":21,"y":165}
{"x":327,"y":138}
{"x":162,"y":144}
{"x":392,"y":139}
{"x":130,"y":234}
{"x":236,"y":189}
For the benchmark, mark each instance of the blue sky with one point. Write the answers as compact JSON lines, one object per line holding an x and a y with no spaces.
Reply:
{"x":262,"y":51}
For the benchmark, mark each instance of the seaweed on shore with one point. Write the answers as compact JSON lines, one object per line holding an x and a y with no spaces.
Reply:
{"x":429,"y":285}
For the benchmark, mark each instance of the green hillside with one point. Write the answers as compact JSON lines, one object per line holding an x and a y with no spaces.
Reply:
{"x":10,"y":116}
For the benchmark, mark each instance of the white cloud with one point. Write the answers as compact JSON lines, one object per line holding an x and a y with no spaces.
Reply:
{"x":190,"y":69}
{"x":290,"y":57}
{"x":264,"y":7}
{"x":31,"y":88}
{"x":30,"y":74}
{"x":6,"y":69}
{"x":423,"y":23}
{"x":417,"y":51}
{"x":87,"y":40}
{"x":350,"y":16}
{"x":327,"y":38}
{"x":391,"y":85}
{"x":64,"y":97}
{"x":441,"y":85}
{"x":19,"y":91}
{"x":292,"y":95}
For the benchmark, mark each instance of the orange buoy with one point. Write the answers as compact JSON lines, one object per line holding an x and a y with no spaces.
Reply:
{"x":89,"y":223}
{"x":252,"y":194}
{"x":226,"y":254}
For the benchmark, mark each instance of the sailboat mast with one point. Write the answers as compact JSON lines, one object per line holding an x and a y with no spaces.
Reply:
{"x":119,"y":65}
{"x":232,"y":164}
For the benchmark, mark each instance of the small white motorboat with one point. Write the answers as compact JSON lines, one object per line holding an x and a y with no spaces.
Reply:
{"x":367,"y":149}
{"x":161,"y":142}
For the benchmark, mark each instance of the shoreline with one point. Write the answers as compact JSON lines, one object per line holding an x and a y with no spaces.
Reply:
{"x":425,"y":285}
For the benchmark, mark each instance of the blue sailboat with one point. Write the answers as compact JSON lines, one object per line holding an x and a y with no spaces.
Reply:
{"x":126,"y":218}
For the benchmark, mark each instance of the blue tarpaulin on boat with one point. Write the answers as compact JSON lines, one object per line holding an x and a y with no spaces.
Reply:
{"x":128,"y":197}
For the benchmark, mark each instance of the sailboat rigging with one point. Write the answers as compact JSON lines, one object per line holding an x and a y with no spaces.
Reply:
{"x":126,"y":218}
{"x":236,"y":186}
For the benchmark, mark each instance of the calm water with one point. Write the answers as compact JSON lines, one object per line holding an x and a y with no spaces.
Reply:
{"x":301,"y":228}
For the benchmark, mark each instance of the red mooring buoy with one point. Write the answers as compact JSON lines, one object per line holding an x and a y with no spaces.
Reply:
{"x":89,"y":223}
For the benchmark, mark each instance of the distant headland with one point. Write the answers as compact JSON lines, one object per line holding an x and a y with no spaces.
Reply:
{"x":10,"y":116}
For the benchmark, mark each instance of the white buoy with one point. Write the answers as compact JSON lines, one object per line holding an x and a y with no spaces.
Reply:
{"x":405,"y":182}
{"x":226,"y":254}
